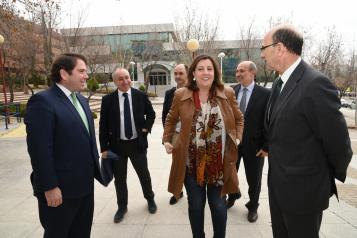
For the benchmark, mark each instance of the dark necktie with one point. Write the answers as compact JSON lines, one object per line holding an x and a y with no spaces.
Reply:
{"x":127,"y":117}
{"x":243,"y":101}
{"x":274,"y":96}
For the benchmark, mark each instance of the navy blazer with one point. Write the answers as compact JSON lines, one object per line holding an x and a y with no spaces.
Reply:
{"x":109,"y":123}
{"x":63,"y":154}
{"x":309,"y":145}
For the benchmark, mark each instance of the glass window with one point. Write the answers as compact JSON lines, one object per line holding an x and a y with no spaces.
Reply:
{"x":158,"y":78}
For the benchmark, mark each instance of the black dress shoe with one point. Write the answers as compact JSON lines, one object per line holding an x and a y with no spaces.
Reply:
{"x":173,"y":200}
{"x":252,"y":216}
{"x":119,"y":215}
{"x":152,"y":206}
{"x":232,"y":199}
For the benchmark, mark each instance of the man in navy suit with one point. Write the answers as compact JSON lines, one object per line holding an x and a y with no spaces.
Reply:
{"x":62,"y":147}
{"x":252,"y":99}
{"x":126,"y":118}
{"x":308,"y":142}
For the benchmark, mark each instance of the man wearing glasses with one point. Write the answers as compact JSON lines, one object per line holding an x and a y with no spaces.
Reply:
{"x":308,"y":141}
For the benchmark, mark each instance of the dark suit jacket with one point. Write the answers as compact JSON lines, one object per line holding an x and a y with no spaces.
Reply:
{"x":169,"y":96}
{"x":254,"y":135}
{"x":309,"y":145}
{"x":109,"y":123}
{"x":62,"y":151}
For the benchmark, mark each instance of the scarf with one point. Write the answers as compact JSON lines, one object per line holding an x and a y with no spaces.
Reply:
{"x":205,"y":148}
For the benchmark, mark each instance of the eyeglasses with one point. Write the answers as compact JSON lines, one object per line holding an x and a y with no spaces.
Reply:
{"x":266,"y":46}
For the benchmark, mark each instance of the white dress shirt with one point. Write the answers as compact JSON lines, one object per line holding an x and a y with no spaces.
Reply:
{"x":286,"y":75}
{"x":121,"y":107}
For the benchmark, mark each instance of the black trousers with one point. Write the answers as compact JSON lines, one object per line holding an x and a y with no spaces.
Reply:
{"x":131,"y":149}
{"x":289,"y":225}
{"x":253,"y":171}
{"x":73,"y":218}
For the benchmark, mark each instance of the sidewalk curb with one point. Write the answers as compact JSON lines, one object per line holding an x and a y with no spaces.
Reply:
{"x":4,"y":134}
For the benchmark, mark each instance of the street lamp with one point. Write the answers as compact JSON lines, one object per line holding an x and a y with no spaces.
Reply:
{"x":132,"y":63}
{"x":221,"y":55}
{"x":2,"y":40}
{"x":192,"y":45}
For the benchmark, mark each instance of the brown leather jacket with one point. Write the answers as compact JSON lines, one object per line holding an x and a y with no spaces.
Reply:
{"x":183,"y":109}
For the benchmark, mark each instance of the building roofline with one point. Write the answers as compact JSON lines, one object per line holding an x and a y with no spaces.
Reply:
{"x":124,"y":29}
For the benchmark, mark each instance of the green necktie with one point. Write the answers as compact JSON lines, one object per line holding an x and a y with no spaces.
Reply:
{"x":79,"y":110}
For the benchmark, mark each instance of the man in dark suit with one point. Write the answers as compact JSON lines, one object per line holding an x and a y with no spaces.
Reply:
{"x":308,"y":141}
{"x":180,"y":73}
{"x":252,"y":99}
{"x":62,"y":147}
{"x":126,"y":118}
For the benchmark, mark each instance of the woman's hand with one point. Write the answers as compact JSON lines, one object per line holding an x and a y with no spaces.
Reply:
{"x":168,"y":147}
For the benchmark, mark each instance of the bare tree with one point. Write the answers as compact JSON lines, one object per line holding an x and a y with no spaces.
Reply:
{"x":195,"y":24}
{"x":47,"y":16}
{"x":328,"y":54}
{"x":10,"y":30}
{"x":249,"y":36}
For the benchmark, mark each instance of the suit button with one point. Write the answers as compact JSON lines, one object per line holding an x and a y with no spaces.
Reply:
{"x":231,"y":163}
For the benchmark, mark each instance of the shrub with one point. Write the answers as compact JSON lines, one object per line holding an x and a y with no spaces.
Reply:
{"x":142,"y":88}
{"x":92,"y":84}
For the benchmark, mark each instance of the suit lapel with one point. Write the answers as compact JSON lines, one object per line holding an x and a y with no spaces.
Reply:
{"x":66,"y":101}
{"x":116,"y":110}
{"x":252,"y":101}
{"x":236,"y":90}
{"x":134,"y":104}
{"x":288,"y":89}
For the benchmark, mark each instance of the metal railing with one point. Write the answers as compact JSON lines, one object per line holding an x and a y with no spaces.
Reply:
{"x":10,"y":110}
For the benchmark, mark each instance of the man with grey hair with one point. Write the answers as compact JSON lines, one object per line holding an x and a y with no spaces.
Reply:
{"x":252,"y":100}
{"x":308,"y":142}
{"x":126,"y":118}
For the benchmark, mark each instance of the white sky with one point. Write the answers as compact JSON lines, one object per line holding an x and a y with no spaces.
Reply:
{"x":315,"y":15}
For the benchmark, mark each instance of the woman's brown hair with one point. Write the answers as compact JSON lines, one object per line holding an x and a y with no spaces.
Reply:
{"x":217,"y":83}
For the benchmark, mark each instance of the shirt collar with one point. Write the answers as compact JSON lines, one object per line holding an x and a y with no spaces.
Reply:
{"x":65,"y":90}
{"x":286,"y":75}
{"x":250,"y":87}
{"x":121,"y":93}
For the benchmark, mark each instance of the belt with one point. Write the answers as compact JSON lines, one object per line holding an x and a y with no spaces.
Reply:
{"x":128,"y":141}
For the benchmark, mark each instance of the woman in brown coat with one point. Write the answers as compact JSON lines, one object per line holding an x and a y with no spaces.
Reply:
{"x":205,"y":153}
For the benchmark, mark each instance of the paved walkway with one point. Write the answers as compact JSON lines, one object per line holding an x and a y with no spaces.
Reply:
{"x":19,"y":216}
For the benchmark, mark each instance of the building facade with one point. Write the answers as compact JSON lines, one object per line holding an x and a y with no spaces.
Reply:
{"x":150,"y":52}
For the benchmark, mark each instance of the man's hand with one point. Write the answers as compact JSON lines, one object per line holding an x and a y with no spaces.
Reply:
{"x":104,"y":154}
{"x":54,"y":197}
{"x":261,"y":153}
{"x":168,"y":147}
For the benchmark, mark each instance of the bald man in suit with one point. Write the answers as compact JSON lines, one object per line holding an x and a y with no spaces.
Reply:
{"x":308,"y":142}
{"x":252,"y":99}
